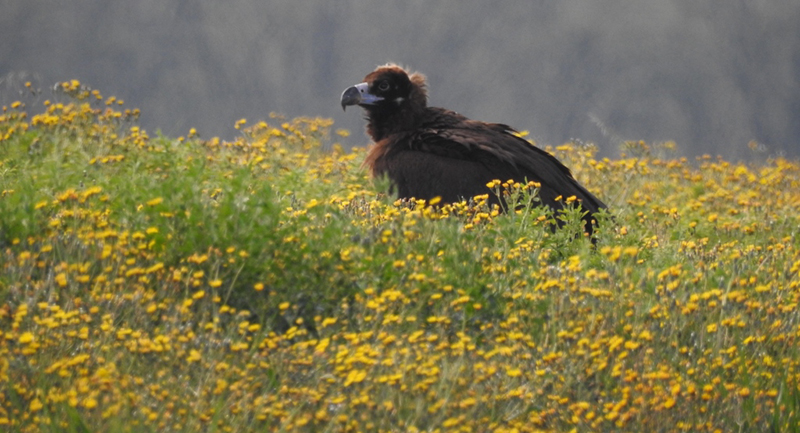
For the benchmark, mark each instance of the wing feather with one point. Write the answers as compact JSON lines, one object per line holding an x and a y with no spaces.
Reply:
{"x":500,"y":153}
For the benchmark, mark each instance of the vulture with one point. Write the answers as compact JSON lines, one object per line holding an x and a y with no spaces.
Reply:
{"x":429,"y":152}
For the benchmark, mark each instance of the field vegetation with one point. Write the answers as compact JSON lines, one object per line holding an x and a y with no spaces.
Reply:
{"x":151,"y":283}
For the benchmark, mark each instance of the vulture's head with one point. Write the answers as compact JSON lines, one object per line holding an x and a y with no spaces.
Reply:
{"x":390,"y":95}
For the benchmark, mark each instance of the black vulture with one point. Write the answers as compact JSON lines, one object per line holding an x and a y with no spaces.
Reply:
{"x":432,"y":152}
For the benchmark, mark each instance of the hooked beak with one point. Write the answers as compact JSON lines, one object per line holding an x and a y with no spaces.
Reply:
{"x":358,"y":95}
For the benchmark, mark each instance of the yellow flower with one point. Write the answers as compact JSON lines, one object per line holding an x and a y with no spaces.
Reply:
{"x":89,"y":403}
{"x":36,"y":405}
{"x":467,"y":402}
{"x":194,"y":356}
{"x":513,"y":372}
{"x":355,"y":376}
{"x":450,"y":422}
{"x":322,"y":345}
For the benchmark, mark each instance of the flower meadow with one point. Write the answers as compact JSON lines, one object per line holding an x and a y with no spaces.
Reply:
{"x":267,"y":283}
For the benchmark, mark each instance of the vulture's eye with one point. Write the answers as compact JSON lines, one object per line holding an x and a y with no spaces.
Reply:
{"x":383,"y":86}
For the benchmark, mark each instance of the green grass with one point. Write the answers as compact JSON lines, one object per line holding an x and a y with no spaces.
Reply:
{"x":267,"y":283}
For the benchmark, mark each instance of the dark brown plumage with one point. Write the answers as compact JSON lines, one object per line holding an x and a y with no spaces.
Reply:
{"x":428,"y":152}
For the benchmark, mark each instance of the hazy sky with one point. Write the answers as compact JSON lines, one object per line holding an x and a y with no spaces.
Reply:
{"x":712,"y":76}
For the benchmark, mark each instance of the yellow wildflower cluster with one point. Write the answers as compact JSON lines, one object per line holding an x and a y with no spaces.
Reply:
{"x":266,"y":283}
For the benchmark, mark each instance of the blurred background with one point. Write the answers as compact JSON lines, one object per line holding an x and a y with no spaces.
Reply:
{"x":714,"y":77}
